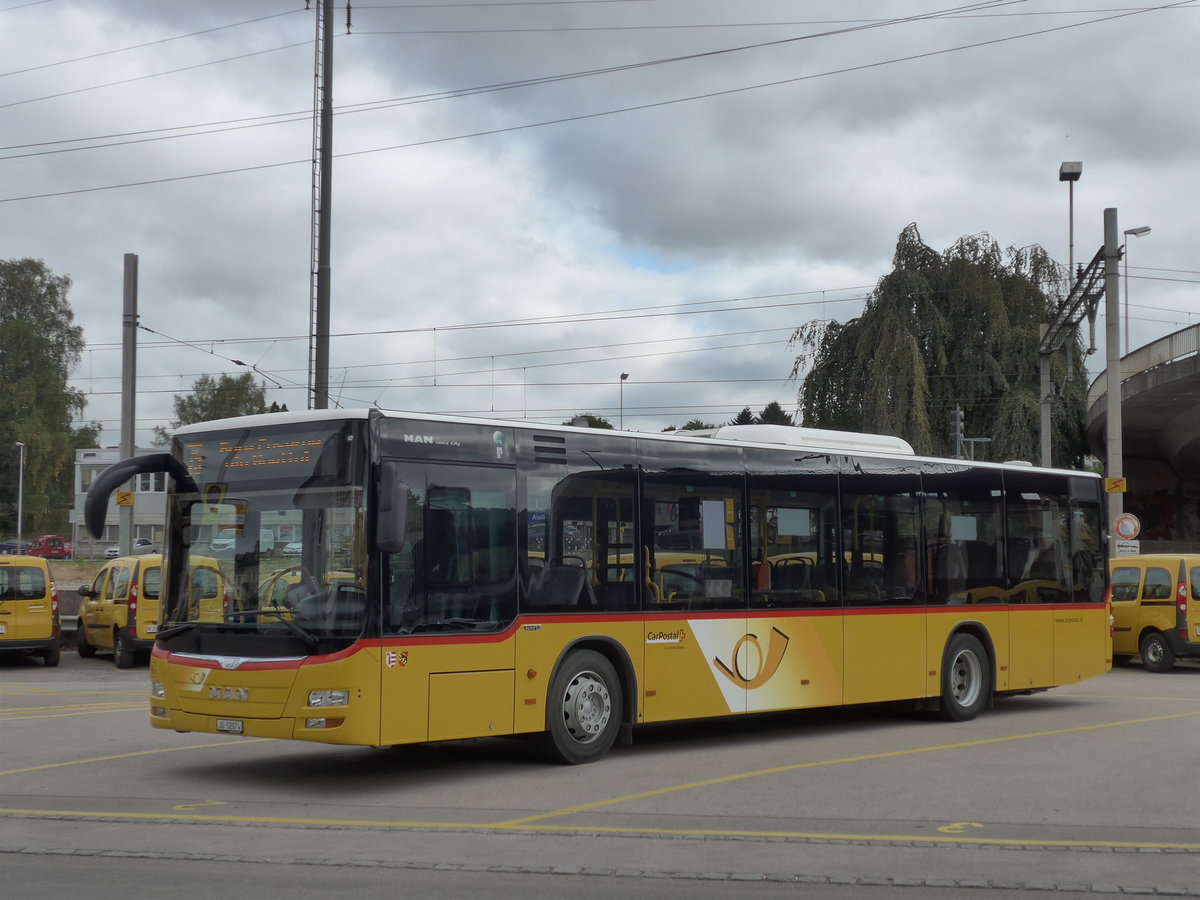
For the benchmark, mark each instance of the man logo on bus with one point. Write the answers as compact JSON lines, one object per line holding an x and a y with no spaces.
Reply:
{"x":752,"y":673}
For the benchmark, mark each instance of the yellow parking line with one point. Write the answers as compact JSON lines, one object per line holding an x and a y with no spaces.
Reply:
{"x":891,"y":754}
{"x":45,"y":693}
{"x":4,"y":717}
{"x":62,"y":707}
{"x":99,"y":759}
{"x":613,"y":829}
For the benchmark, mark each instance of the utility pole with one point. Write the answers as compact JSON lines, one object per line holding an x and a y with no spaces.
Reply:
{"x":129,"y":321}
{"x":318,"y":371}
{"x":1114,"y":449}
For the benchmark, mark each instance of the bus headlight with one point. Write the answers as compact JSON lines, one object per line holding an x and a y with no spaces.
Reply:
{"x":328,"y":698}
{"x":157,"y":690}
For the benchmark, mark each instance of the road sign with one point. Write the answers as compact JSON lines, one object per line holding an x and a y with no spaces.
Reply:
{"x":1127,"y":526}
{"x":1115,"y":485}
{"x":124,"y":498}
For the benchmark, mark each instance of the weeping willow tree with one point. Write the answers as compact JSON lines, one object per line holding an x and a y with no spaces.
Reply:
{"x":946,"y":330}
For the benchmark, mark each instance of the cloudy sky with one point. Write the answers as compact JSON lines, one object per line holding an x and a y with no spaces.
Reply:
{"x":531,"y":198}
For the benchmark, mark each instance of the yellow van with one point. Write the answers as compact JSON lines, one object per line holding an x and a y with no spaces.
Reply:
{"x":1155,"y":608}
{"x":118,"y":612}
{"x":29,"y":608}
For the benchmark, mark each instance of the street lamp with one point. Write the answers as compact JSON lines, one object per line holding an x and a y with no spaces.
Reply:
{"x":1070,"y":172}
{"x":1136,"y":232}
{"x":20,"y":494}
{"x":624,"y":375}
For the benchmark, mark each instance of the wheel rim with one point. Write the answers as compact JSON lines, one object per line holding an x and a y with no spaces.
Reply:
{"x":966,"y":678}
{"x":587,"y":707}
{"x":1153,"y":651}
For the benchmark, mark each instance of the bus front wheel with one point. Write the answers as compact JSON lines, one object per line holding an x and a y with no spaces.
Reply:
{"x":583,"y":709}
{"x":966,"y":678}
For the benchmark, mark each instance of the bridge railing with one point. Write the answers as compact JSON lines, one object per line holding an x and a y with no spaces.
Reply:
{"x":1177,"y":345}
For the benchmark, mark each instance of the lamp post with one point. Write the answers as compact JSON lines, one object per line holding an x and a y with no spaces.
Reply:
{"x":624,"y":375}
{"x":1070,"y":172}
{"x":20,"y":494}
{"x":1140,"y":231}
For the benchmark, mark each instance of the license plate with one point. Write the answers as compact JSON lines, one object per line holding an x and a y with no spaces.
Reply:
{"x":151,"y":629}
{"x":229,"y":726}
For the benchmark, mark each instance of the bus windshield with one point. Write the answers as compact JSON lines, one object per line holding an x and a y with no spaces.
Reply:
{"x":273,"y":540}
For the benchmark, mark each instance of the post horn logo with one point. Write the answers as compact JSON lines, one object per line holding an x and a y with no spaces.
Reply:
{"x":747,"y":672}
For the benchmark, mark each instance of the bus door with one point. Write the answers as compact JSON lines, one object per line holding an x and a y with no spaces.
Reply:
{"x":451,"y":595}
{"x":885,"y":620}
{"x":1037,"y":516}
{"x":700,"y":657}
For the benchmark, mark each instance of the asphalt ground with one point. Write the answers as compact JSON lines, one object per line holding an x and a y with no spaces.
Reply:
{"x":1091,"y":789}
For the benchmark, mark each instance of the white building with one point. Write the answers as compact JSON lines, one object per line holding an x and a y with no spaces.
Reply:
{"x":149,"y":502}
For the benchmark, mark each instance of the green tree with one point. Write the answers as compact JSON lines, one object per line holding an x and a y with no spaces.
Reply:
{"x":773,"y":414}
{"x":39,"y":347}
{"x":745,"y":417}
{"x":216,"y":398}
{"x":697,"y":425}
{"x":946,"y":329}
{"x":593,"y":421}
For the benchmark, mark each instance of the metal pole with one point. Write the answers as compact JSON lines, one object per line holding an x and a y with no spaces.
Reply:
{"x":128,"y":395}
{"x":1071,"y":232}
{"x":1046,"y":403}
{"x":1112,"y":330}
{"x":624,"y":375}
{"x":20,"y":495}
{"x":321,"y":345}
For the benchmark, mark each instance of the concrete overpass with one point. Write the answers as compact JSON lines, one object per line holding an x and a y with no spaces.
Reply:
{"x":1160,"y":434}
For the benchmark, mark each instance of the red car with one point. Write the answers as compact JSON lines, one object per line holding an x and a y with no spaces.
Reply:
{"x":50,"y":546}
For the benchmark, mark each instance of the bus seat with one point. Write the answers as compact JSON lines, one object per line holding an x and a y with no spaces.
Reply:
{"x":561,"y":586}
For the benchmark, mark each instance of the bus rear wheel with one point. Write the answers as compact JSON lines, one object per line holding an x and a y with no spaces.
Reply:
{"x":966,"y":679}
{"x":583,"y":709}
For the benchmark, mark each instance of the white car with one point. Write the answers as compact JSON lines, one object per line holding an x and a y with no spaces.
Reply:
{"x":219,"y":545}
{"x":140,"y":545}
{"x":294,"y":549}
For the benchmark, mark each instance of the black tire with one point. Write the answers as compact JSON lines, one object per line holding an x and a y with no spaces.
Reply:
{"x":583,"y":709}
{"x":86,"y":650}
{"x":51,"y":654}
{"x":122,"y":652}
{"x":966,"y":679}
{"x":1156,"y":653}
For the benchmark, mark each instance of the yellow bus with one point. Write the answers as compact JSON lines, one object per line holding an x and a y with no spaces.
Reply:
{"x":483,"y":581}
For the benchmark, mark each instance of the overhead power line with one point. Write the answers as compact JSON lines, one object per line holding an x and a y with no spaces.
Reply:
{"x":638,"y":107}
{"x":156,"y":42}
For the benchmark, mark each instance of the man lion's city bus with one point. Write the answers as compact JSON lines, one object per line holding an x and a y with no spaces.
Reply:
{"x":400,"y":578}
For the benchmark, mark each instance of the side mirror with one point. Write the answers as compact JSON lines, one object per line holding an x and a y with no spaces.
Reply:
{"x":392,"y":517}
{"x":85,"y":590}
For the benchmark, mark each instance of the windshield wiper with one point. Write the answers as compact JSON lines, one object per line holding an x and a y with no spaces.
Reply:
{"x":454,"y":624}
{"x":310,"y":640}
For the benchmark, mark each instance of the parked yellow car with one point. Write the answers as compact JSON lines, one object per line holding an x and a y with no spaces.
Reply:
{"x":28,"y":608}
{"x":1155,"y":608}
{"x":118,"y":612}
